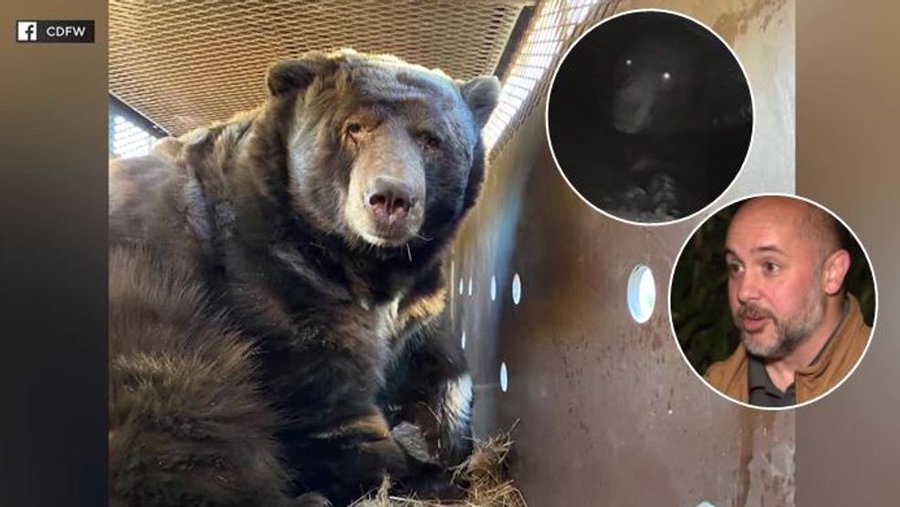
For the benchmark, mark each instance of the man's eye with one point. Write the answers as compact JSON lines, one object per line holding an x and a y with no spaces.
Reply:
{"x":734,"y":268}
{"x":771,"y":267}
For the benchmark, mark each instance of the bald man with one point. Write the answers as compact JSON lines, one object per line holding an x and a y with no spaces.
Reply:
{"x":801,"y":332}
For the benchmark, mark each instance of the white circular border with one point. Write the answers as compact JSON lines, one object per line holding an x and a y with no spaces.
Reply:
{"x":550,"y":143}
{"x":874,"y":317}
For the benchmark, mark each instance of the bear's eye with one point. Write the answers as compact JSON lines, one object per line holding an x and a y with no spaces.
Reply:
{"x":354,"y":129}
{"x":430,"y":140}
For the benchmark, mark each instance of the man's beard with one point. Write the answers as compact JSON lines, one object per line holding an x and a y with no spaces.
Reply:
{"x":789,"y":333}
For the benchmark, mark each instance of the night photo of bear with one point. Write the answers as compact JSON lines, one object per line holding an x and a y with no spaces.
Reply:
{"x":277,"y":292}
{"x":649,"y":116}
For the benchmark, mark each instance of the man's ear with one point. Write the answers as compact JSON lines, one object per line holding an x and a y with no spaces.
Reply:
{"x":835,"y":270}
{"x":481,"y":95}
{"x":290,"y":76}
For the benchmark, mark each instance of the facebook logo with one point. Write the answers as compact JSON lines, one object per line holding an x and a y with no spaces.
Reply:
{"x":55,"y":31}
{"x":26,"y":31}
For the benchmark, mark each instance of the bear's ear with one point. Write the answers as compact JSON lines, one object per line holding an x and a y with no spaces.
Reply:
{"x":290,"y":75}
{"x":481,"y":94}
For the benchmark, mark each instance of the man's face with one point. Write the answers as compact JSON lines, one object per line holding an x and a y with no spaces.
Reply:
{"x":774,"y":277}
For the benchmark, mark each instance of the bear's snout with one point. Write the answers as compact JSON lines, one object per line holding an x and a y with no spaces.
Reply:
{"x":632,"y":108}
{"x":389,"y":200}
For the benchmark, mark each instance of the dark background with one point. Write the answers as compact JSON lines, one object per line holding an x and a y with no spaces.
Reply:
{"x":53,"y":363}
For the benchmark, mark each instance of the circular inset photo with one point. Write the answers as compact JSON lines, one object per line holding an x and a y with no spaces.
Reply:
{"x":649,"y":117}
{"x":772,"y":301}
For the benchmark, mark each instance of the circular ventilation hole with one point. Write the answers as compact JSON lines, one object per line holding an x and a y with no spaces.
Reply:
{"x":641,"y":293}
{"x":516,"y":289}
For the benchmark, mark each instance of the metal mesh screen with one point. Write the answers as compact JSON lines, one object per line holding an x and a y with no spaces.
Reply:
{"x":127,"y":139}
{"x":555,"y":25}
{"x":185,"y":63}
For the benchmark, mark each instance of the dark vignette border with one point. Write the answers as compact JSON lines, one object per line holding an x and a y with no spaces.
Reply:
{"x":53,"y":268}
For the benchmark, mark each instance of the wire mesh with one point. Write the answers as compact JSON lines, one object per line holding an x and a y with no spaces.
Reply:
{"x":186,"y":63}
{"x":555,"y":25}
{"x":127,"y":139}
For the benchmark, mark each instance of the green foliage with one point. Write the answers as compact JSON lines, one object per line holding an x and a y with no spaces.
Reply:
{"x":700,"y":311}
{"x":859,"y":281}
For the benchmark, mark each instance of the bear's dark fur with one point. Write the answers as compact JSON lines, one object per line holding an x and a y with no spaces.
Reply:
{"x":277,"y":291}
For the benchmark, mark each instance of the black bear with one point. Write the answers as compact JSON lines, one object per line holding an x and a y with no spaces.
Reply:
{"x":277,"y":291}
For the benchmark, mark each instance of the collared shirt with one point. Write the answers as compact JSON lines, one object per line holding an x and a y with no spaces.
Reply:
{"x":764,"y":393}
{"x":836,"y":361}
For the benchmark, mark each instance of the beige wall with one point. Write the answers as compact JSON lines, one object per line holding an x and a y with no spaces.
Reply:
{"x":848,"y":112}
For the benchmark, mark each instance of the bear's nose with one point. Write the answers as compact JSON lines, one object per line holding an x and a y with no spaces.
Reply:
{"x":390,"y":199}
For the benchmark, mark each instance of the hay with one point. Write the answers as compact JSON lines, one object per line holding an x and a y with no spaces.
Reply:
{"x":486,"y":472}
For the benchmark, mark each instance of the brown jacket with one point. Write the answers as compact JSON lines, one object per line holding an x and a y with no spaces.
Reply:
{"x":835,"y":362}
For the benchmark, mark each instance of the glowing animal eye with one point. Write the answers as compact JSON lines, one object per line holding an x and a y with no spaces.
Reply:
{"x":666,"y":76}
{"x":628,"y":61}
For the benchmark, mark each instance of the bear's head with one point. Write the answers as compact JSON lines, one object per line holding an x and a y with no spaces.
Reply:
{"x":378,"y":151}
{"x":656,"y":81}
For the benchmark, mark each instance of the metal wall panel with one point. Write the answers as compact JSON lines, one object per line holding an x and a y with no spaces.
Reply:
{"x":609,"y":412}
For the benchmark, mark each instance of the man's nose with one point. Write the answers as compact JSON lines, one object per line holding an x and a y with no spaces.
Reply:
{"x":748,"y":288}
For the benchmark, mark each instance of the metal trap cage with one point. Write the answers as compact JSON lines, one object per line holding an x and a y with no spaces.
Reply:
{"x":610,"y":413}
